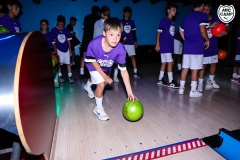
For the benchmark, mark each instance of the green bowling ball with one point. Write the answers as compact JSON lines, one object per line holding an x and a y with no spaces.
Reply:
{"x":132,"y":110}
{"x":53,"y":62}
{"x":4,"y":29}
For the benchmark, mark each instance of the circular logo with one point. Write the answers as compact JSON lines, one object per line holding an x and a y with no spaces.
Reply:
{"x":61,"y":38}
{"x":172,"y":30}
{"x":226,"y":13}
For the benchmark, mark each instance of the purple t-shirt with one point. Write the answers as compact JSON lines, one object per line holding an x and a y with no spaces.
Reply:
{"x":213,"y":48}
{"x":194,"y":41}
{"x":128,"y":27}
{"x":238,"y":42}
{"x":12,"y":25}
{"x":49,"y":38}
{"x":95,"y":53}
{"x":61,"y":38}
{"x":166,"y":28}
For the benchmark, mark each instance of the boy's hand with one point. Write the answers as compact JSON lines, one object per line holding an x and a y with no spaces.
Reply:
{"x":206,"y":44}
{"x":132,"y":97}
{"x":108,"y":80}
{"x":157,"y":48}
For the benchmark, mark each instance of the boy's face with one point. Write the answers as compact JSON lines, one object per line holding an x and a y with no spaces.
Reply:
{"x":127,"y":15}
{"x":172,"y":11}
{"x":60,"y":24}
{"x":44,"y":26}
{"x":14,"y":9}
{"x":112,"y":37}
{"x":207,"y":9}
{"x":73,"y":22}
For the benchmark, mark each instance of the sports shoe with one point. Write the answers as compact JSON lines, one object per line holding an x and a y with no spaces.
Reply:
{"x":162,"y":82}
{"x":137,"y":75}
{"x":234,"y":80}
{"x":213,"y":84}
{"x":173,"y":84}
{"x":180,"y":90}
{"x":61,"y":80}
{"x":71,"y":79}
{"x":99,"y":111}
{"x":115,"y":79}
{"x":200,"y":87}
{"x":195,"y":93}
{"x":89,"y":91}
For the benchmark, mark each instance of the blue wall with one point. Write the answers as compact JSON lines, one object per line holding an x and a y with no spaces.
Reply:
{"x":145,"y":15}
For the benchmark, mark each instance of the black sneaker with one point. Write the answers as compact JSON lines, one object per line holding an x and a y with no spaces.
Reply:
{"x":162,"y":82}
{"x":70,"y":79}
{"x":61,"y":80}
{"x":137,"y":75}
{"x":173,"y":84}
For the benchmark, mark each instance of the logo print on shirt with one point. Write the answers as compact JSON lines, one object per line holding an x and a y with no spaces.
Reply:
{"x":172,"y":30}
{"x":209,"y":33}
{"x":61,"y":38}
{"x":127,"y":28}
{"x":105,"y":63}
{"x":226,"y":13}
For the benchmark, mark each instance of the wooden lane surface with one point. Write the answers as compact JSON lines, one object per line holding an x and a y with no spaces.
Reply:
{"x":169,"y":118}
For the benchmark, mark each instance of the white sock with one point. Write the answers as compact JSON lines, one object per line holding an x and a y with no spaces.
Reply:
{"x":211,"y":77}
{"x":200,"y":81}
{"x":193,"y":85}
{"x":170,"y":77}
{"x":59,"y":74}
{"x":89,"y":84}
{"x":179,"y":66}
{"x":182,"y":84}
{"x":135,"y":70}
{"x":161,"y":74}
{"x":99,"y":101}
{"x":82,"y":71}
{"x":69,"y":74}
{"x":115,"y":71}
{"x":234,"y":75}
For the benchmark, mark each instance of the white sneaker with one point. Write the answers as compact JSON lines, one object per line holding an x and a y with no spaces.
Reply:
{"x":200,"y":88}
{"x":115,"y":79}
{"x":213,"y":84}
{"x":89,"y":90}
{"x":195,"y":94}
{"x":99,"y":111}
{"x":180,"y":90}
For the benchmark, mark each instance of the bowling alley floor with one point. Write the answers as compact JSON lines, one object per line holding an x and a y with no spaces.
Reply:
{"x":168,"y":118}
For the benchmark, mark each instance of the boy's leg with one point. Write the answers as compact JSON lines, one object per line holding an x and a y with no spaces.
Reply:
{"x":200,"y":79}
{"x":234,"y":75}
{"x":161,"y":80}
{"x":194,"y":77}
{"x":115,"y":74}
{"x":82,"y":63}
{"x":211,"y":80}
{"x":136,"y":73}
{"x":61,"y":79}
{"x":88,"y":88}
{"x":183,"y":80}
{"x":70,"y":78}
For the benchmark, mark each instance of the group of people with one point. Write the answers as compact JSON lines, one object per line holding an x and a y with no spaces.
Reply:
{"x":102,"y":49}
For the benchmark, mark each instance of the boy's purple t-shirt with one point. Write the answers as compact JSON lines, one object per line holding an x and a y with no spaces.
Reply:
{"x":49,"y":38}
{"x":95,"y":53}
{"x":128,"y":27}
{"x":238,"y":42}
{"x":12,"y":25}
{"x":61,"y":38}
{"x":194,"y":41}
{"x":213,"y":48}
{"x":166,"y":28}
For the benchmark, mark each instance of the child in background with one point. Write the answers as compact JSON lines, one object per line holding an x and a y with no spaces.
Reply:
{"x":102,"y":52}
{"x":165,"y":44}
{"x":10,"y":20}
{"x":44,"y":28}
{"x":236,"y":70}
{"x":193,"y":31}
{"x":62,"y":46}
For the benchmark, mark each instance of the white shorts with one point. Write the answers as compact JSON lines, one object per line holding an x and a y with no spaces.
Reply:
{"x":96,"y":77}
{"x":210,"y":60}
{"x":130,"y":50}
{"x":178,"y":46}
{"x":166,"y":57}
{"x":64,"y":57}
{"x":237,"y":57}
{"x":192,"y":61}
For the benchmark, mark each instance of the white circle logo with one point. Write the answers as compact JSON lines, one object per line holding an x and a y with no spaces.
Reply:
{"x":226,"y":13}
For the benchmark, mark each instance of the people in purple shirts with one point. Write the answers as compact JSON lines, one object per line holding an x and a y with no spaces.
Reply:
{"x":236,"y":70}
{"x":210,"y":56}
{"x":102,"y":52}
{"x":165,"y":44}
{"x":10,"y":20}
{"x":44,"y":28}
{"x":62,"y":46}
{"x":193,"y":31}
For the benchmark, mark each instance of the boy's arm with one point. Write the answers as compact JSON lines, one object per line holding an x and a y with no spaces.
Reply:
{"x":70,"y":50}
{"x":106,"y":78}
{"x":157,"y":47}
{"x":205,"y":36}
{"x":126,"y":80}
{"x":181,"y":33}
{"x":135,"y":38}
